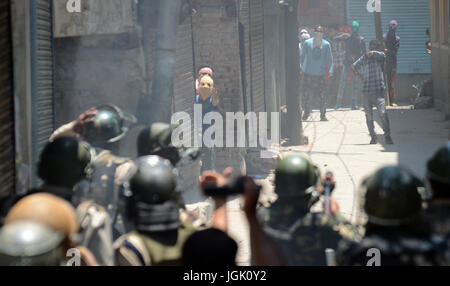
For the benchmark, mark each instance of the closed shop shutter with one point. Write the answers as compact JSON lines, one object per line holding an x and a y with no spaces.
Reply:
{"x":413,"y":18}
{"x":42,"y":76}
{"x":257,"y":54}
{"x":6,"y":104}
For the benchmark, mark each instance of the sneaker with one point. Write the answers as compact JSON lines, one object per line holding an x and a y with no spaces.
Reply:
{"x":337,"y":106}
{"x":373,"y":140}
{"x":323,"y":118}
{"x":305,"y":117}
{"x":388,"y":140}
{"x":355,"y":107}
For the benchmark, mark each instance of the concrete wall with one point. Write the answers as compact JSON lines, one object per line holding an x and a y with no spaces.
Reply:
{"x":20,"y":20}
{"x":332,"y":12}
{"x":441,"y":77}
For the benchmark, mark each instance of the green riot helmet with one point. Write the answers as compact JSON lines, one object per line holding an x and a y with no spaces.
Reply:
{"x":438,"y":167}
{"x":29,"y":243}
{"x":392,"y":197}
{"x":154,"y":181}
{"x":63,"y":162}
{"x":157,"y":140}
{"x":108,"y":126}
{"x":294,"y":175}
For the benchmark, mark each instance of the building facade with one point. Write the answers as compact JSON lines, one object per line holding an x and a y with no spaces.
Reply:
{"x":440,"y":53}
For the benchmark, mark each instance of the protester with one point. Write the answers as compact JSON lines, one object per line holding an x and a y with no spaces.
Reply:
{"x":371,"y":65}
{"x":392,"y":43}
{"x":355,"y":47}
{"x":316,"y":54}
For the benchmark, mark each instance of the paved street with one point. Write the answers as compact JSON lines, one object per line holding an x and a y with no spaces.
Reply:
{"x":341,"y":145}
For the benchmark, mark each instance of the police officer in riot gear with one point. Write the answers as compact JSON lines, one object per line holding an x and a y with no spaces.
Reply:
{"x":302,"y":235}
{"x":62,"y":165}
{"x":151,"y":204}
{"x":28,"y":243}
{"x":103,"y":128}
{"x":438,"y":182}
{"x":393,"y":206}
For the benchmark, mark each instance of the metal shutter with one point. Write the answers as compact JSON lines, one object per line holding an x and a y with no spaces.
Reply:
{"x":257,"y":55}
{"x":413,"y":18}
{"x":6,"y":104}
{"x":42,"y":76}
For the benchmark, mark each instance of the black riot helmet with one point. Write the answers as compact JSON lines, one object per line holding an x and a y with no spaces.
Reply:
{"x":108,"y":126}
{"x":30,"y":243}
{"x":438,"y":171}
{"x":151,"y":198}
{"x":63,"y":162}
{"x":157,"y":140}
{"x":154,"y":181}
{"x":294,"y":175}
{"x":392,"y":197}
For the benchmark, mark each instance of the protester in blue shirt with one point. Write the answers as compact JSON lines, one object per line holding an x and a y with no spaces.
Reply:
{"x":315,"y":56}
{"x":370,"y":69}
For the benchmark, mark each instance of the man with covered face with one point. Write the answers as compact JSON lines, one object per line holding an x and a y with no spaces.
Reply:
{"x":392,"y":42}
{"x":208,"y":99}
{"x":355,"y":47}
{"x":314,"y":57}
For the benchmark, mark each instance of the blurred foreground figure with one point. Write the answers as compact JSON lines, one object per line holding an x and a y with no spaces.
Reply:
{"x":438,"y":177}
{"x":56,"y":214}
{"x":151,"y":204}
{"x":63,"y":163}
{"x":303,"y":236}
{"x":103,"y":128}
{"x":213,"y":246}
{"x":395,"y":233}
{"x":27,"y":243}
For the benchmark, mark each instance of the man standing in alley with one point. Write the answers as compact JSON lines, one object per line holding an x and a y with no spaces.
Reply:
{"x":316,"y":53}
{"x":355,"y":47}
{"x":370,"y":69}
{"x":392,"y":42}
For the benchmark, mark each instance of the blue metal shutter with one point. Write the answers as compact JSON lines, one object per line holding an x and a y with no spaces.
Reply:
{"x":413,"y":17}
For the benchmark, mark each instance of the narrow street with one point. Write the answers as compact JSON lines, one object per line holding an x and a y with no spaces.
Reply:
{"x":341,"y":145}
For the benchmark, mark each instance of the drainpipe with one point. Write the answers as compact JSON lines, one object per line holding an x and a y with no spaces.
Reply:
{"x":34,"y":125}
{"x":164,"y":61}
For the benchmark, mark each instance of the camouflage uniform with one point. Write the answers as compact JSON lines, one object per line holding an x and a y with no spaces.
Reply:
{"x":151,"y":204}
{"x":393,"y":205}
{"x":302,"y":235}
{"x":396,"y":249}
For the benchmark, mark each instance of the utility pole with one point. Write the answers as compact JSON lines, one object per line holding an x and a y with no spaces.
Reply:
{"x":292,"y":59}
